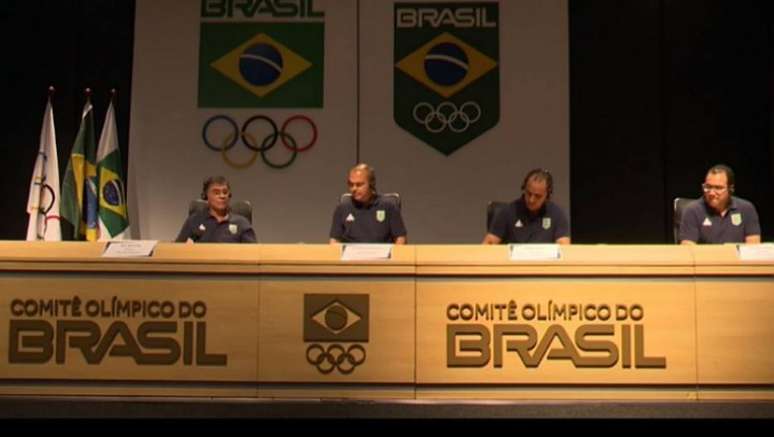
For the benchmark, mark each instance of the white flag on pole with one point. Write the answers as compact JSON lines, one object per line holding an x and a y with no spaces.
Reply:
{"x":43,"y":200}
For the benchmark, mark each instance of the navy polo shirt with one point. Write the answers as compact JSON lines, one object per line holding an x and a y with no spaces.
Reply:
{"x":377,"y":222}
{"x":702,"y":224}
{"x":516,"y":224}
{"x":202,"y":227}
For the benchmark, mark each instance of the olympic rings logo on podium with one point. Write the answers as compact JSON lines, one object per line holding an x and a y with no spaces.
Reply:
{"x":335,"y":357}
{"x":446,"y":114}
{"x":249,"y":140}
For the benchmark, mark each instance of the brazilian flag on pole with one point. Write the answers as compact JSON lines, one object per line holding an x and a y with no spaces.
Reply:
{"x":113,"y":219}
{"x":79,"y":189}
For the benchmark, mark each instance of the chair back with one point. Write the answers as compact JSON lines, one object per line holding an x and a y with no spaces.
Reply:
{"x":492,"y":208}
{"x":678,"y":206}
{"x":240,"y":207}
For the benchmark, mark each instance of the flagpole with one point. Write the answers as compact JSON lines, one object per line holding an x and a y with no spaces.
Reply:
{"x":87,"y":93}
{"x":51,"y":91}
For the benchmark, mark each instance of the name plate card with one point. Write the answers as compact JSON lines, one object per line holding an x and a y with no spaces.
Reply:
{"x":366,"y":252}
{"x":756,"y":252}
{"x":129,"y":248}
{"x":534,"y":252}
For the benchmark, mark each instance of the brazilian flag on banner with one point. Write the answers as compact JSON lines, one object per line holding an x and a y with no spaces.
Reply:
{"x":113,"y":219}
{"x":261,"y":65}
{"x":79,"y":189}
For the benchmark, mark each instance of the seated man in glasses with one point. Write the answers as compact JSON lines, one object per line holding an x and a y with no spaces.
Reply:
{"x":719,"y":217}
{"x":216,"y":224}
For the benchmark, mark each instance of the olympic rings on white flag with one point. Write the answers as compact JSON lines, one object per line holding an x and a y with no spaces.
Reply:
{"x":446,"y":115}
{"x":251,"y":142}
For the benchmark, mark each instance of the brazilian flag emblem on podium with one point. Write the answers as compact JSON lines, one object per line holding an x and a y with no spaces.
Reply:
{"x":249,"y":65}
{"x":446,"y":78}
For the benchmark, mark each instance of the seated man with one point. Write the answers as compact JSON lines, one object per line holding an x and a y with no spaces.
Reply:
{"x":216,"y":224}
{"x":719,"y":217}
{"x":368,"y":218}
{"x":532,"y":218}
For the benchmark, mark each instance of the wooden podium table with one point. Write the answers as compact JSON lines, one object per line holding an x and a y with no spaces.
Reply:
{"x":603,"y":322}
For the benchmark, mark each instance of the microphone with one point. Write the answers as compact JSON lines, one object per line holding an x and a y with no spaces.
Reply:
{"x":197,"y":233}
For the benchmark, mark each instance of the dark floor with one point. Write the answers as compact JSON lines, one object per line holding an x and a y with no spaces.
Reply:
{"x":176,"y":408}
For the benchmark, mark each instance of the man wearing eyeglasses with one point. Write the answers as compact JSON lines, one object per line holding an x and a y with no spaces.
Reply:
{"x":719,"y":217}
{"x":216,"y":224}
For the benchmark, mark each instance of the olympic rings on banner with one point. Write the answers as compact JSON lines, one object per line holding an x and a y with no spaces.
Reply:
{"x":228,"y":142}
{"x":238,"y":165}
{"x":285,"y":137}
{"x":250,"y":141}
{"x":335,"y":357}
{"x":302,"y":118}
{"x":446,"y":115}
{"x":268,"y":142}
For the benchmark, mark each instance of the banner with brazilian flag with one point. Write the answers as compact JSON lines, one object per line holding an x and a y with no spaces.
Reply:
{"x":113,"y":218}
{"x":79,"y":188}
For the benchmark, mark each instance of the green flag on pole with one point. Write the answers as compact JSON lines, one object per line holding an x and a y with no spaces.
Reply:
{"x":113,"y":218}
{"x":79,"y":188}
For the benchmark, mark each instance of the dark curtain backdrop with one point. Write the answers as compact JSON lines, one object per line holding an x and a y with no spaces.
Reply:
{"x":659,"y":91}
{"x":71,"y":45}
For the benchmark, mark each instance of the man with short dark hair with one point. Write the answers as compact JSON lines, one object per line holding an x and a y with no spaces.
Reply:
{"x":216,"y":224}
{"x":533,"y":217}
{"x":718,"y":217}
{"x":368,"y":217}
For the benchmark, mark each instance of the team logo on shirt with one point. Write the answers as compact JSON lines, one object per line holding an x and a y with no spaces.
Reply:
{"x":380,"y":215}
{"x":518,"y":224}
{"x":350,"y":218}
{"x":546,"y":222}
{"x":736,"y":219}
{"x":232,"y":228}
{"x":706,"y":222}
